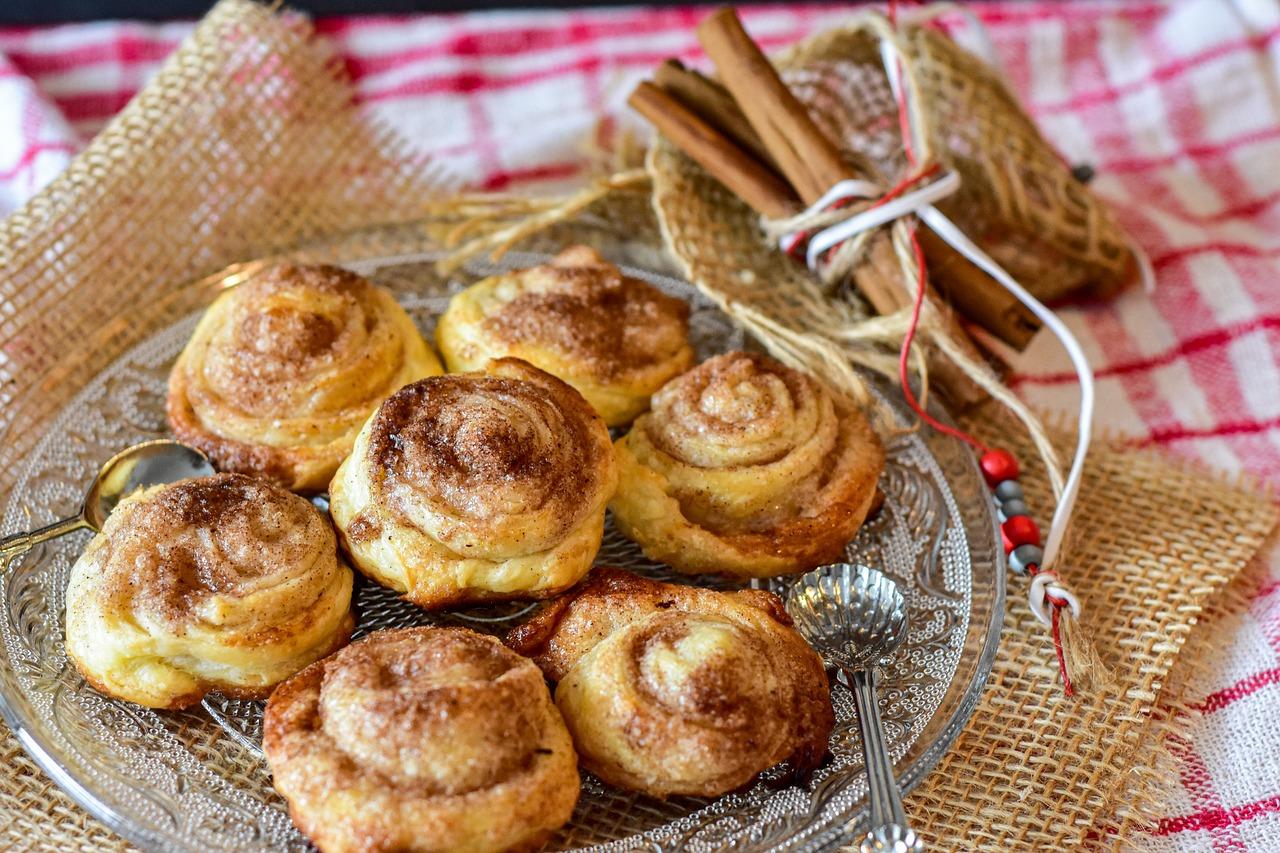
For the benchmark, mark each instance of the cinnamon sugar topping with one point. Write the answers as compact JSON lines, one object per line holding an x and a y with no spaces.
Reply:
{"x":287,"y":324}
{"x":293,"y":335}
{"x":491,"y":444}
{"x":220,"y":535}
{"x":584,"y":307}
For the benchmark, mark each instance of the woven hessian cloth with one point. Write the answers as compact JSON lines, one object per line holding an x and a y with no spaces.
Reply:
{"x":247,"y":143}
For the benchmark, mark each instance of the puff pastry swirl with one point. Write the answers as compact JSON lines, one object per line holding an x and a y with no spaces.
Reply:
{"x":283,"y":369}
{"x":477,"y":486}
{"x":218,"y":583}
{"x":614,"y":338}
{"x":745,"y":467}
{"x":677,"y":690}
{"x":421,"y":739}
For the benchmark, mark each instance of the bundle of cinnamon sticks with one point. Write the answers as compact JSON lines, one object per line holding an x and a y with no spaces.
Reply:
{"x":754,"y":136}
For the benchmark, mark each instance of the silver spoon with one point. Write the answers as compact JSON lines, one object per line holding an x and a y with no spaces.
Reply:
{"x":855,"y":617}
{"x":151,"y":463}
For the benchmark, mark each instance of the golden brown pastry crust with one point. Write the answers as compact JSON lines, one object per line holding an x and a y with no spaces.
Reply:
{"x":678,"y":690}
{"x":283,"y":369}
{"x":614,"y":338}
{"x":477,"y":486}
{"x":218,"y":583}
{"x":421,"y":739}
{"x":745,"y":467}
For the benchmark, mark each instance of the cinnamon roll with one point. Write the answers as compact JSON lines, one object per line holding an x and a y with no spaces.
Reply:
{"x":283,"y":369}
{"x":421,"y":739}
{"x":747,"y":468}
{"x":678,"y":690}
{"x":614,"y":338}
{"x":477,"y":486}
{"x":217,"y":583}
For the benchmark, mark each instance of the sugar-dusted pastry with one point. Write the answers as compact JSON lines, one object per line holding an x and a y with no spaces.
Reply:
{"x":678,"y":690}
{"x":421,"y":739}
{"x":222,"y":583}
{"x":283,"y":369}
{"x":477,"y":486}
{"x":745,"y":467}
{"x":614,"y":338}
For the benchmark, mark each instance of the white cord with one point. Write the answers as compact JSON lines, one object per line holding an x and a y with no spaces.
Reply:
{"x":1146,"y":271}
{"x":829,"y":238}
{"x":845,"y":190}
{"x":947,"y":230}
{"x":919,"y":203}
{"x":1047,"y":583}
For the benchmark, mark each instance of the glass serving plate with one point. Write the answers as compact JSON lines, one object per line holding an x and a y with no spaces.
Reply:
{"x":195,"y":780}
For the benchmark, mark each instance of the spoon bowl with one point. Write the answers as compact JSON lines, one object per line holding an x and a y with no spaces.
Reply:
{"x":151,"y":463}
{"x":855,"y":617}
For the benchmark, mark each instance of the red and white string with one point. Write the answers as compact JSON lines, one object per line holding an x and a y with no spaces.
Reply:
{"x":915,"y":195}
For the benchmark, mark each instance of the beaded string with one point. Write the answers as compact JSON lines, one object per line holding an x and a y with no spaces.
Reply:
{"x":1018,"y":531}
{"x":1048,"y":594}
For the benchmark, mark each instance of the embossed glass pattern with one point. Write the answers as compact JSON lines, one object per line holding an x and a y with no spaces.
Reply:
{"x":195,"y":780}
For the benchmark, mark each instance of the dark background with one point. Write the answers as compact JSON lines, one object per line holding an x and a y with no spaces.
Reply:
{"x":54,"y":11}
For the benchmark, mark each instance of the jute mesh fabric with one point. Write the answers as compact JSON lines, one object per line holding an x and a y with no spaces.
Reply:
{"x":247,"y":144}
{"x":1186,"y":697}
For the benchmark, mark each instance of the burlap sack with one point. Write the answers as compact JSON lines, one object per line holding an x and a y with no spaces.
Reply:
{"x":1017,"y":198}
{"x":247,"y":143}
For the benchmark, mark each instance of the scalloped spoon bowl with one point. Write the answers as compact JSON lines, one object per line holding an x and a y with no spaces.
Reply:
{"x":856,"y":617}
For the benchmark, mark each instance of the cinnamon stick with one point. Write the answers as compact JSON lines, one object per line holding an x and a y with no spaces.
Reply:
{"x":764,"y":191}
{"x":813,"y":164}
{"x":713,"y":103}
{"x":975,"y":294}
{"x":810,"y":162}
{"x":744,"y":178}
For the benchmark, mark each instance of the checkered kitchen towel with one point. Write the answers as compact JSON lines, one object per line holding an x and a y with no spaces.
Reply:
{"x":1176,"y":106}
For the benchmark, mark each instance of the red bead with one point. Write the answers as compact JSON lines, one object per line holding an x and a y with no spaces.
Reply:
{"x":1019,"y":530}
{"x":998,"y":466}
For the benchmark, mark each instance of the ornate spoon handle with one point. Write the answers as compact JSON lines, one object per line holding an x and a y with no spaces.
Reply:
{"x":12,"y":547}
{"x":888,"y":831}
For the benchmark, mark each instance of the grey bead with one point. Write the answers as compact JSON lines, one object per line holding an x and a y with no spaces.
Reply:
{"x":1009,"y":509}
{"x":1008,"y":490}
{"x":1023,"y":556}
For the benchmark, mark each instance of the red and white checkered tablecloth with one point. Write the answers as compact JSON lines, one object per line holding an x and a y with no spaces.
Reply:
{"x":1177,"y":107}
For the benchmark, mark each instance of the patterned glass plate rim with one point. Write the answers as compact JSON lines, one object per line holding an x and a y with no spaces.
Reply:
{"x":194,"y":780}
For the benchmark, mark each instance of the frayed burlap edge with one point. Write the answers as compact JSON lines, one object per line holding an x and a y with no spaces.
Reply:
{"x":1157,"y":782}
{"x":1155,"y":541}
{"x":245,"y":143}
